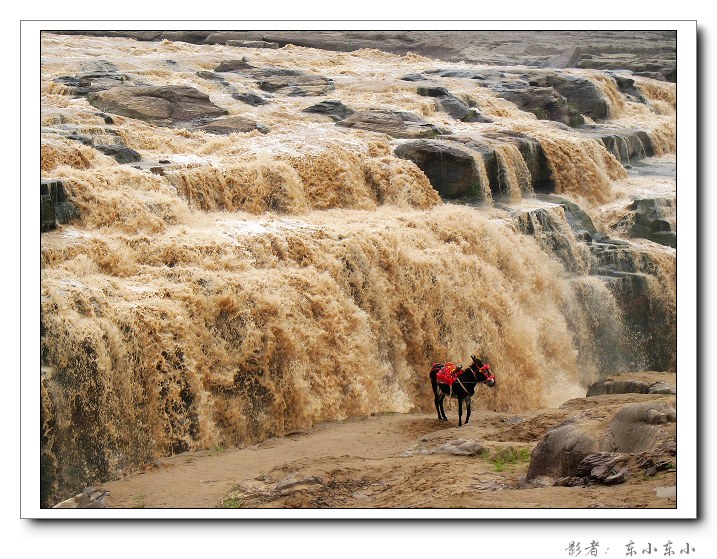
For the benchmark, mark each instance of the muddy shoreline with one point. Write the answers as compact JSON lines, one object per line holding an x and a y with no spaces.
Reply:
{"x":399,"y":461}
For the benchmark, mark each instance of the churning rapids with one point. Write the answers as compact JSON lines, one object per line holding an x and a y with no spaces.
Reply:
{"x":253,"y":269}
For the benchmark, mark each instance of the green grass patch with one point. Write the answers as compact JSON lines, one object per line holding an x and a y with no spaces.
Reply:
{"x":507,"y":456}
{"x":231,"y":502}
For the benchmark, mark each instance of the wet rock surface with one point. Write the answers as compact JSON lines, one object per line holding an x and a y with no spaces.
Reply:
{"x":161,"y":104}
{"x":651,"y":218}
{"x":233,"y":124}
{"x":450,"y":166}
{"x":335,"y":110}
{"x":398,"y":124}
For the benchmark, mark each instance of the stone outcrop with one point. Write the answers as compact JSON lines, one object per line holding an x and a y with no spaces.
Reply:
{"x":561,"y":451}
{"x":651,"y":218}
{"x":168,"y":105}
{"x":232,"y":124}
{"x":121,"y":154}
{"x":602,"y":449}
{"x":280,"y":81}
{"x":449,"y":166}
{"x":544,"y":103}
{"x":449,"y":162}
{"x":398,"y":124}
{"x":454,"y":106}
{"x":581,"y":93}
{"x":299,"y":85}
{"x":92,"y":82}
{"x":638,"y":427}
{"x":335,"y":110}
{"x":54,"y":205}
{"x":250,"y":98}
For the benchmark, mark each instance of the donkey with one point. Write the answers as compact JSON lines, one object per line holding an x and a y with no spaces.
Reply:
{"x":461,"y":388}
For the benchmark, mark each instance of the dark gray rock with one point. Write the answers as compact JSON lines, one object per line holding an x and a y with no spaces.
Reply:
{"x":432,"y":91}
{"x":296,"y":84}
{"x":234,"y":66}
{"x":561,"y":451}
{"x":415,"y":78}
{"x":250,"y":99}
{"x":585,"y":96}
{"x":54,"y":205}
{"x":122,"y":154}
{"x":213,"y":76}
{"x":578,"y":219}
{"x":628,"y":146}
{"x":398,"y":124}
{"x":47,"y":213}
{"x":627,"y":86}
{"x":92,"y":82}
{"x":159,"y":104}
{"x":449,"y":166}
{"x":651,"y":218}
{"x":232,"y":124}
{"x":545,"y":103}
{"x":336,"y":110}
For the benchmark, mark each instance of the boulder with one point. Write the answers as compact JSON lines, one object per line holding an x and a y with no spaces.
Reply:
{"x":651,"y":218}
{"x":640,"y":427}
{"x":335,"y":110}
{"x":165,"y":105}
{"x":398,"y":124}
{"x":47,"y":213}
{"x":122,"y":154}
{"x":545,"y":103}
{"x":92,"y":82}
{"x":529,"y":148}
{"x":587,"y":98}
{"x":232,"y":124}
{"x":628,"y":146}
{"x":626,"y":85}
{"x":54,"y":204}
{"x":296,"y":84}
{"x":578,"y":219}
{"x":561,"y":451}
{"x":449,"y":166}
{"x":250,"y":99}
{"x":234,"y":66}
{"x":604,"y":467}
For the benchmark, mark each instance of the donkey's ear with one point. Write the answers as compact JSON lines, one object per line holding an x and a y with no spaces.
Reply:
{"x":474,"y":358}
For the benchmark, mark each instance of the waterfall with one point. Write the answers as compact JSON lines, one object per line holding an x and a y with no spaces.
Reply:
{"x":227,"y":288}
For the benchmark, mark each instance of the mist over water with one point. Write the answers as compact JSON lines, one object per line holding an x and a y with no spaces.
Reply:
{"x":262,"y":283}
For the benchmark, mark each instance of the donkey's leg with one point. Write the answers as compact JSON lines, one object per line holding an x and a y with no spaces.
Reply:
{"x":438,"y":401}
{"x":468,"y":409}
{"x":441,"y":412}
{"x":460,"y":411}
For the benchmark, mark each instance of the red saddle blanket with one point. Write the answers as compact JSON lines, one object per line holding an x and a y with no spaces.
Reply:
{"x":447,"y":374}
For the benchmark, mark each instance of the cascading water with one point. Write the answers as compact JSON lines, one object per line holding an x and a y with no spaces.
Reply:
{"x":229,"y":288}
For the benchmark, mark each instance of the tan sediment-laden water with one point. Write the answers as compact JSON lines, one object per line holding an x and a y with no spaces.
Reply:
{"x":226,"y":288}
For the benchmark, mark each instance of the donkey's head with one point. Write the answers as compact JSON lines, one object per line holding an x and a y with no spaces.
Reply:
{"x":482,"y":372}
